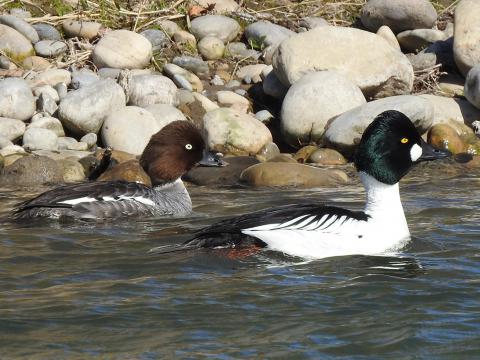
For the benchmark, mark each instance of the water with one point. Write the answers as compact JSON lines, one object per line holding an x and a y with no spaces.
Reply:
{"x":93,"y":290}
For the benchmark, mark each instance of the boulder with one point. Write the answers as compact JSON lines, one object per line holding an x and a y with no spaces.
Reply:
{"x":130,"y":171}
{"x":466,"y":43}
{"x":472,"y":86}
{"x":146,"y":90}
{"x":32,"y":170}
{"x":40,"y":139}
{"x":12,"y":129}
{"x":17,"y":46}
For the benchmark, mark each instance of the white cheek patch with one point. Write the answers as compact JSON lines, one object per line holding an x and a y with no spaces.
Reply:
{"x":415,"y":152}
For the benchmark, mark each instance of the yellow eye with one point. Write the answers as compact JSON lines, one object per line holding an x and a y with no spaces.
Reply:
{"x":404,"y":140}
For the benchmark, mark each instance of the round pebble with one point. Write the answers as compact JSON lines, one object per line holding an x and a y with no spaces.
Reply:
{"x":50,"y":48}
{"x":211,"y":48}
{"x":47,"y":32}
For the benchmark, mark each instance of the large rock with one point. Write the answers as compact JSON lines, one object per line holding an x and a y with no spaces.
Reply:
{"x":129,"y":171}
{"x":144,"y":90}
{"x":164,"y":114}
{"x":16,"y":99}
{"x":40,"y":139}
{"x":129,"y":129}
{"x":17,"y":46}
{"x":83,"y":111}
{"x":418,"y":39}
{"x":82,"y":29}
{"x":21,"y":26}
{"x":345,"y":132}
{"x":399,"y":15}
{"x":122,"y":49}
{"x":47,"y":32}
{"x":230,"y":132}
{"x":50,"y":123}
{"x":452,"y":111}
{"x":472,"y":86}
{"x":365,"y":58}
{"x":312,"y":101}
{"x":12,"y":129}
{"x":219,"y":26}
{"x":292,"y":175}
{"x":32,"y":170}
{"x":466,"y":43}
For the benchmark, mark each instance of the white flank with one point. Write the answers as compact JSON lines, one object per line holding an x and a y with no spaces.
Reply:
{"x":415,"y":152}
{"x":78,"y":200}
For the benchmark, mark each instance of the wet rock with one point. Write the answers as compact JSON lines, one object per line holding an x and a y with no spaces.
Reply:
{"x":239,"y":50}
{"x":466,"y":49}
{"x":47,"y":32}
{"x":83,"y":111}
{"x":145,"y":90}
{"x":183,"y":37}
{"x":312,"y":101}
{"x":268,"y":152}
{"x":35,"y":63}
{"x":90,"y":139}
{"x":399,"y":15}
{"x":443,"y":136}
{"x":21,"y":26}
{"x":377,"y":68}
{"x":288,"y":174}
{"x":130,"y":171}
{"x":16,"y":99}
{"x":46,"y":104}
{"x":230,"y":132}
{"x":472,"y":86}
{"x":129,"y":129}
{"x":72,"y":171}
{"x":51,"y":77}
{"x":83,"y":77}
{"x":122,"y":49}
{"x":15,"y":44}
{"x":50,"y":48}
{"x":171,"y":70}
{"x":346,"y":130}
{"x":193,"y":64}
{"x":221,"y":6}
{"x":385,"y":32}
{"x":12,"y":129}
{"x":49,"y":123}
{"x":164,"y":114}
{"x":40,"y":139}
{"x":303,"y":154}
{"x":82,"y":29}
{"x":219,"y":26}
{"x":326,"y":156}
{"x":31,"y":170}
{"x":157,"y":38}
{"x":211,"y":48}
{"x":418,"y":39}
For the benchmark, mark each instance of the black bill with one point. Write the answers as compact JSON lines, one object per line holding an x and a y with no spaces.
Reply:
{"x":211,"y":158}
{"x":431,"y":153}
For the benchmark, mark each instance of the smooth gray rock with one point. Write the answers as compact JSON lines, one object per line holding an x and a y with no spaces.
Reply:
{"x":109,"y":73}
{"x":83,"y":111}
{"x":47,"y":104}
{"x":61,"y":90}
{"x":4,"y":140}
{"x":64,"y":142}
{"x":193,"y":64}
{"x":386,"y":33}
{"x":422,"y":61}
{"x":32,"y":170}
{"x":171,"y":70}
{"x":157,"y":38}
{"x":40,"y":139}
{"x":466,"y":37}
{"x":50,"y":123}
{"x":185,"y":97}
{"x":145,"y":90}
{"x":50,"y":48}
{"x":16,"y":99}
{"x":5,"y":63}
{"x":83,"y":77}
{"x":90,"y":139}
{"x":452,"y":111}
{"x":238,"y":50}
{"x":20,"y":13}
{"x":219,"y":26}
{"x":82,"y":29}
{"x":418,"y":39}
{"x":472,"y":86}
{"x":264,"y":116}
{"x":46,"y":89}
{"x":169,"y":27}
{"x":399,"y":15}
{"x":217,"y":81}
{"x":47,"y":32}
{"x":164,"y":114}
{"x":272,"y":86}
{"x":14,"y":43}
{"x":50,"y":77}
{"x":21,"y":26}
{"x":12,"y":129}
{"x":265,"y":33}
{"x":181,"y":82}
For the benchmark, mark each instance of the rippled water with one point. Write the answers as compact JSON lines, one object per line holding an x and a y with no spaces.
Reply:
{"x":93,"y":290}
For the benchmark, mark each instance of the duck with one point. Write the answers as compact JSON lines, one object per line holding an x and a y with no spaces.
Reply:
{"x":388,"y":149}
{"x":169,"y":154}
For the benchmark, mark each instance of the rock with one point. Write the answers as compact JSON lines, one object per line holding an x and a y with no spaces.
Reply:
{"x":78,"y":146}
{"x":227,"y":175}
{"x":452,"y":85}
{"x":303,"y":154}
{"x":252,"y":72}
{"x":443,"y":136}
{"x":206,"y":103}
{"x":157,"y":38}
{"x":83,"y":111}
{"x":122,"y":49}
{"x":211,"y":48}
{"x":193,"y":64}
{"x":12,"y":150}
{"x":230,"y":99}
{"x":345,"y":131}
{"x":377,"y":68}
{"x":272,"y":86}
{"x":466,"y":49}
{"x":262,"y":34}
{"x":4,"y":140}
{"x":283,"y":158}
{"x":145,"y":90}
{"x":169,"y":27}
{"x":61,"y":90}
{"x":83,"y":77}
{"x":385,"y":32}
{"x":312,"y":101}
{"x":130,"y":171}
{"x":46,"y":89}
{"x":230,"y":132}
{"x":219,"y":26}
{"x":171,"y":70}
{"x":40,"y":139}
{"x":117,"y":156}
{"x":311,"y":22}
{"x":268,"y":152}
{"x":90,"y":139}
{"x":64,"y":142}
{"x":32,"y":170}
{"x":418,"y":39}
{"x":181,"y":82}
{"x":183,"y":37}
{"x":20,"y":13}
{"x":164,"y":114}
{"x":422,"y":61}
{"x":35,"y":63}
{"x":292,"y":175}
{"x":17,"y":46}
{"x":239,"y":50}
{"x":63,"y":154}
{"x":264,"y":116}
{"x":21,"y":26}
{"x":82,"y":29}
{"x":47,"y":32}
{"x":129,"y":129}
{"x":399,"y":15}
{"x":472,"y":86}
{"x":51,"y":77}
{"x":50,"y":48}
{"x":12,"y":129}
{"x":49,"y":123}
{"x":185,"y":97}
{"x":217,"y":81}
{"x":72,"y":171}
{"x":16,"y":99}
{"x":221,"y":6}
{"x":326,"y":156}
{"x":46,"y":104}
{"x":5,"y":63}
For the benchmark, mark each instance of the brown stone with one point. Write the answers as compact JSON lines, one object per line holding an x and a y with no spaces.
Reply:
{"x":130,"y":171}
{"x":304,"y":153}
{"x":443,"y":136}
{"x":117,"y":155}
{"x":32,"y":170}
{"x":326,"y":156}
{"x":283,"y":158}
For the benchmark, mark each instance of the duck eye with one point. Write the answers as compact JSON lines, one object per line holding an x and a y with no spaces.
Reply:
{"x":188,"y":146}
{"x":404,"y":140}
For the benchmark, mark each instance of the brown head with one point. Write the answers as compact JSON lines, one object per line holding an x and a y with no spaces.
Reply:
{"x":171,"y":152}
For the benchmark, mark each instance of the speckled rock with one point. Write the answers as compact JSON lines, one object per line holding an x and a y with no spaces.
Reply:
{"x":49,"y":123}
{"x":164,"y":114}
{"x":418,"y":39}
{"x":472,"y":86}
{"x":51,"y":77}
{"x":130,"y":171}
{"x":157,"y":38}
{"x":40,"y":139}
{"x":326,"y":156}
{"x":145,"y":90}
{"x":386,"y":33}
{"x":122,"y":49}
{"x":15,"y":44}
{"x":12,"y":129}
{"x":171,"y":70}
{"x":466,"y":45}
{"x":16,"y":99}
{"x":82,"y":29}
{"x":211,"y":48}
{"x":21,"y":26}
{"x":50,"y":48}
{"x":47,"y":31}
{"x":32,"y":170}
{"x":219,"y":26}
{"x":35,"y":63}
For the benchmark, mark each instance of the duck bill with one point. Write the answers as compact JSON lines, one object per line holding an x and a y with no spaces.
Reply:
{"x":430,"y":153}
{"x":212,"y":158}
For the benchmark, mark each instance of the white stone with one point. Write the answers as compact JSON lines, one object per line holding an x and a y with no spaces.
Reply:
{"x":164,"y":114}
{"x":40,"y":139}
{"x":219,"y":26}
{"x":233,"y":100}
{"x":50,"y":77}
{"x":15,"y":44}
{"x":21,"y":26}
{"x":221,"y":6}
{"x":206,"y":103}
{"x":252,"y":72}
{"x":385,"y":32}
{"x":472,"y":86}
{"x":12,"y":129}
{"x":466,"y":39}
{"x":46,"y":89}
{"x":82,"y":29}
{"x":211,"y":48}
{"x":49,"y":123}
{"x":145,"y":90}
{"x":16,"y":99}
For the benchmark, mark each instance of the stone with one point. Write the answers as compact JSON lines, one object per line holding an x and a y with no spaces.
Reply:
{"x":231,"y":99}
{"x":217,"y":81}
{"x":193,"y":64}
{"x":35,"y":63}
{"x":130,"y":171}
{"x":40,"y":139}
{"x":46,"y":89}
{"x":50,"y":48}
{"x":122,"y":49}
{"x":283,"y":158}
{"x":83,"y":111}
{"x":185,"y":97}
{"x":303,"y":154}
{"x":273,"y":87}
{"x":466,"y":43}
{"x":268,"y":152}
{"x":230,"y":132}
{"x":219,"y":26}
{"x":345,"y":131}
{"x":443,"y":136}
{"x":399,"y":15}
{"x":47,"y":32}
{"x":206,"y":104}
{"x":145,"y":90}
{"x":472,"y":86}
{"x":32,"y":170}
{"x":418,"y":39}
{"x":422,"y":61}
{"x":221,"y":6}
{"x":61,"y":90}
{"x":50,"y":77}
{"x":64,"y":142}
{"x":211,"y":48}
{"x":4,"y":140}
{"x":46,"y":104}
{"x":20,"y":13}
{"x":164,"y":114}
{"x":5,"y":63}
{"x":10,"y":150}
{"x":116,"y":157}
{"x":83,"y":77}
{"x":377,"y":68}
{"x":12,"y":129}
{"x":181,"y":82}
{"x":284,"y":174}
{"x":262,"y":34}
{"x":90,"y":139}
{"x":183,"y":37}
{"x":311,"y":22}
{"x":82,"y":29}
{"x":452,"y":84}
{"x":386,"y":33}
{"x":49,"y":123}
{"x":312,"y":101}
{"x":171,"y":70}
{"x":443,"y":51}
{"x":72,"y":171}
{"x":252,"y":72}
{"x":239,"y":50}
{"x":226,"y":175}
{"x":17,"y":46}
{"x":157,"y":38}
{"x":169,"y":27}
{"x":129,"y":129}
{"x":264,"y":116}
{"x":78,"y":146}
{"x":21,"y":26}
{"x":326,"y":156}
{"x":16,"y":99}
